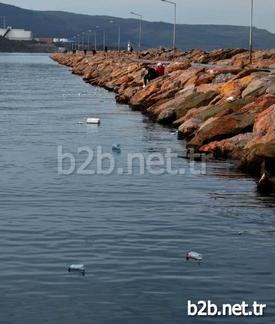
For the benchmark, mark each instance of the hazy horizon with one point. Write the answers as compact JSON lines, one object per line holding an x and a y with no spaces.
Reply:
{"x":216,"y":12}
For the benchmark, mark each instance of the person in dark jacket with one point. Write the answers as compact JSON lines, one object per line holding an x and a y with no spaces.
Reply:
{"x":151,"y":75}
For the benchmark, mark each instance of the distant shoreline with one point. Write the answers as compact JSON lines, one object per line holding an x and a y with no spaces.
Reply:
{"x":8,"y":46}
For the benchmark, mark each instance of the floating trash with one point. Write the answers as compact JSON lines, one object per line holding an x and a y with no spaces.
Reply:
{"x":77,"y":268}
{"x":174,"y":132}
{"x":193,"y":256}
{"x":116,"y":148}
{"x":94,"y":121}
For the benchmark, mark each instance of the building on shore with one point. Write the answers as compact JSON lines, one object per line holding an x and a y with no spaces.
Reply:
{"x":16,"y":34}
{"x":61,"y":40}
{"x":46,"y":40}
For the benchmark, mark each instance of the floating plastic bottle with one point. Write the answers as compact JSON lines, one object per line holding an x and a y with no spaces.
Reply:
{"x":77,"y":268}
{"x":94,"y":121}
{"x":193,"y":256}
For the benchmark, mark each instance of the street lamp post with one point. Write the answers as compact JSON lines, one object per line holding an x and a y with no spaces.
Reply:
{"x":104,"y":40}
{"x":119,"y":36}
{"x":175,"y":21}
{"x":83,"y":40}
{"x":251,"y":31}
{"x":4,"y":21}
{"x":95,"y":40}
{"x":103,"y":37}
{"x":78,"y":42}
{"x":73,"y":43}
{"x":140,"y":27}
{"x":89,"y":34}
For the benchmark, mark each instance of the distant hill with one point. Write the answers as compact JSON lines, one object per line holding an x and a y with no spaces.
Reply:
{"x":155,"y":34}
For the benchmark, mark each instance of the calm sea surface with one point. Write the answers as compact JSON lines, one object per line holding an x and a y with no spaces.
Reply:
{"x":130,"y":231}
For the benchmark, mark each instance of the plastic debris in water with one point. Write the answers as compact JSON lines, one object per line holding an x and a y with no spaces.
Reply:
{"x":77,"y":268}
{"x":193,"y":256}
{"x":116,"y":148}
{"x":174,"y":132}
{"x":93,"y":121}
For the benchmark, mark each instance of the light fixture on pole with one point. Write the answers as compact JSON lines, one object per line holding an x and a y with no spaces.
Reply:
{"x":251,"y":31}
{"x":175,"y":20}
{"x":140,"y":27}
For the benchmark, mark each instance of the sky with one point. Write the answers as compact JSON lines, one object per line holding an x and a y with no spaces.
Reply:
{"x":228,"y":12}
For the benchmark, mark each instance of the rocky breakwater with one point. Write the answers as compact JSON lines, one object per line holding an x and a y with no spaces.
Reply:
{"x":221,"y":104}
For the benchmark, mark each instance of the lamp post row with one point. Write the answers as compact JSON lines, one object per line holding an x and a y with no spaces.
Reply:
{"x":174,"y":31}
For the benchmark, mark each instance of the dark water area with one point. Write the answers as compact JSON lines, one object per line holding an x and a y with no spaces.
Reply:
{"x":130,"y":231}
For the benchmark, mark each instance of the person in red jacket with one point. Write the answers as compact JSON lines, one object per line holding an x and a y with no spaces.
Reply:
{"x":160,"y":69}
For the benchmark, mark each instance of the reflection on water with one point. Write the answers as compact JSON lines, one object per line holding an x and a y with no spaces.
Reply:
{"x":131,"y":232}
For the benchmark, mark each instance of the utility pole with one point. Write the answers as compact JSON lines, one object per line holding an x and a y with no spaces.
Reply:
{"x":251,"y":31}
{"x":175,"y":21}
{"x":119,"y":36}
{"x":83,"y":40}
{"x":104,"y":40}
{"x":140,"y":27}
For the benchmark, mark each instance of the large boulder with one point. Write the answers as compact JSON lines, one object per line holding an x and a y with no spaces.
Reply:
{"x":140,"y":99}
{"x":262,"y":145}
{"x":258,"y":86}
{"x":219,"y":128}
{"x":232,"y":147}
{"x":260,"y":104}
{"x":183,"y":65}
{"x":195,"y":100}
{"x":195,"y":118}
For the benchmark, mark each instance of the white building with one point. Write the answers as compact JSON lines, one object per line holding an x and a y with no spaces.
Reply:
{"x":61,"y":40}
{"x":16,"y":34}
